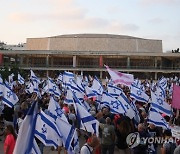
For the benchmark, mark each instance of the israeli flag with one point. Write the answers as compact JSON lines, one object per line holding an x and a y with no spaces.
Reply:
{"x":9,"y":97}
{"x":160,"y":92}
{"x":24,"y":143}
{"x":136,"y":118}
{"x":75,"y":88}
{"x":162,"y":83}
{"x":36,"y":90}
{"x":35,"y":148}
{"x":45,"y":87}
{"x":68,"y":78}
{"x":114,"y":90}
{"x":10,"y":77}
{"x":138,"y":94}
{"x":34,"y":78}
{"x":69,"y":97}
{"x":160,"y":105}
{"x":20,"y":79}
{"x":85,"y":81}
{"x":97,"y":86}
{"x":60,"y":78}
{"x":68,"y":133}
{"x":56,"y":110}
{"x":46,"y":130}
{"x":1,"y":86}
{"x":137,"y":83}
{"x":126,"y":105}
{"x":29,"y":88}
{"x":53,"y":88}
{"x":113,"y":103}
{"x":1,"y":80}
{"x":89,"y":92}
{"x":156,"y":119}
{"x":74,"y":147}
{"x":86,"y":121}
{"x":79,"y":82}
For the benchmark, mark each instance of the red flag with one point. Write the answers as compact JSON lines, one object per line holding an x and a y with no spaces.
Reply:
{"x":176,"y":97}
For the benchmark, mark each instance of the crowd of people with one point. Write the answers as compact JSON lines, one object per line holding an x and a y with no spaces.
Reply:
{"x":113,"y":128}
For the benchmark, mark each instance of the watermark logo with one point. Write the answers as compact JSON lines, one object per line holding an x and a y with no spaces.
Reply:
{"x":133,"y":140}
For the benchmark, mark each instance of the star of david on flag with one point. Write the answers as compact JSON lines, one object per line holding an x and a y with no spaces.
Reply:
{"x":138,"y":94}
{"x":55,"y":110}
{"x":9,"y":97}
{"x":160,"y":105}
{"x":114,"y":105}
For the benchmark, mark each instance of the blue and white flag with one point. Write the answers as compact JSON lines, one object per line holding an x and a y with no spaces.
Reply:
{"x":160,"y":92}
{"x":69,"y":97}
{"x":79,"y":82}
{"x":114,"y":105}
{"x":46,"y":130}
{"x":89,"y":92}
{"x":68,"y":78}
{"x":36,"y":90}
{"x":156,"y":118}
{"x":85,"y":81}
{"x":10,"y":78}
{"x":137,"y":83}
{"x":53,"y":88}
{"x":126,"y":105}
{"x":1,"y":80}
{"x":162,"y":82}
{"x":35,"y":148}
{"x":138,"y":94}
{"x":9,"y":97}
{"x":160,"y":105}
{"x":29,"y":88}
{"x":137,"y":117}
{"x":86,"y":121}
{"x":114,"y":90}
{"x":74,"y":147}
{"x":1,"y":86}
{"x":68,"y":133}
{"x":24,"y":142}
{"x":60,"y":78}
{"x":56,"y":110}
{"x":77,"y":90}
{"x":97,"y":86}
{"x":20,"y":79}
{"x":33,"y":77}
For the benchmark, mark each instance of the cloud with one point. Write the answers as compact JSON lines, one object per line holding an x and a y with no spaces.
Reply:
{"x":57,"y":10}
{"x":119,"y":27}
{"x":17,"y":17}
{"x":162,"y":2}
{"x":156,"y":21}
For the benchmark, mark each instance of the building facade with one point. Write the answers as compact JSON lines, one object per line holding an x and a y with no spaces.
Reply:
{"x":87,"y":53}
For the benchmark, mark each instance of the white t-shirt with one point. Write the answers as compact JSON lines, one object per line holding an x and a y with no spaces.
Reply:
{"x":86,"y":149}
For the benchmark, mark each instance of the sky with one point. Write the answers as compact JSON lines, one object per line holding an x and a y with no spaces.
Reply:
{"x":150,"y":19}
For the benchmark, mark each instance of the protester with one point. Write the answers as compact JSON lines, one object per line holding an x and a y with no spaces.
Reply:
{"x":114,"y":126}
{"x":142,"y":148}
{"x":169,"y":146}
{"x":8,"y":115}
{"x":10,"y":139}
{"x":123,"y":129}
{"x":108,"y":137}
{"x":90,"y":146}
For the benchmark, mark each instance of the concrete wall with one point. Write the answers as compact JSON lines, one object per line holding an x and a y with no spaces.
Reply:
{"x":95,"y":44}
{"x":37,"y":44}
